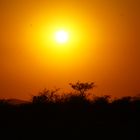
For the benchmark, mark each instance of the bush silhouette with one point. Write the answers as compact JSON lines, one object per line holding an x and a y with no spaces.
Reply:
{"x":102,"y":100}
{"x":45,"y":96}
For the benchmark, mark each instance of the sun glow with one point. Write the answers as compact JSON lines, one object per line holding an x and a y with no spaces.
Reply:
{"x":61,"y":36}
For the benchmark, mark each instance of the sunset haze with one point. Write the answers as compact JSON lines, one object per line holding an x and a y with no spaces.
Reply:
{"x":102,"y":45}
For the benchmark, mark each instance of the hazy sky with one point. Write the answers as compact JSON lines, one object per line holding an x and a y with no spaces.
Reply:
{"x":104,"y":46}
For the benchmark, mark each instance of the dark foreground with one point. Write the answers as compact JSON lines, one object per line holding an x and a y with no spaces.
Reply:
{"x":99,"y":118}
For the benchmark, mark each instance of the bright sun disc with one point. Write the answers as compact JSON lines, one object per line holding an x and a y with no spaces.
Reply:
{"x":61,"y":36}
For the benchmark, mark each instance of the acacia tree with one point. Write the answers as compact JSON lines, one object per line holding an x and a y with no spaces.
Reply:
{"x":82,"y":87}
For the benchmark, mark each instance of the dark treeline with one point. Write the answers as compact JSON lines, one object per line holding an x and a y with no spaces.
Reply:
{"x":74,"y":110}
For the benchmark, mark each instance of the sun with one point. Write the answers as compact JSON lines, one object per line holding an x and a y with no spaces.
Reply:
{"x":61,"y":36}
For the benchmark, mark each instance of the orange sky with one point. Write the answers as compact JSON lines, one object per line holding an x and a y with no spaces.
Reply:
{"x":104,"y":46}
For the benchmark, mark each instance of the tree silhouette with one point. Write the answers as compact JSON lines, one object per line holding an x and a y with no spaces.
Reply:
{"x":82,"y":87}
{"x":50,"y":109}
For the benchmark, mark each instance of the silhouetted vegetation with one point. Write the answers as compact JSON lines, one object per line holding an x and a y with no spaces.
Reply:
{"x":51,"y":109}
{"x":82,"y":87}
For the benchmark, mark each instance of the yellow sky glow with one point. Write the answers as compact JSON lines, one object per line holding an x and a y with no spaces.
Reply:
{"x":46,"y":44}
